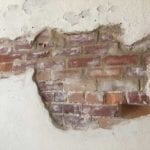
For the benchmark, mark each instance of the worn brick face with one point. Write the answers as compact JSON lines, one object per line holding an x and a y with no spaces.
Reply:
{"x":82,"y":78}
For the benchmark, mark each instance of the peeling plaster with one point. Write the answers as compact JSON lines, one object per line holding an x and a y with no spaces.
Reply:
{"x":20,"y":17}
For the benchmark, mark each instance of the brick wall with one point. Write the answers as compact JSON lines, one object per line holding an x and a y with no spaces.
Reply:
{"x":83,"y":78}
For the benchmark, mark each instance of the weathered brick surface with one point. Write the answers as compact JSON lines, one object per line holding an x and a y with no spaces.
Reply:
{"x":82,"y":78}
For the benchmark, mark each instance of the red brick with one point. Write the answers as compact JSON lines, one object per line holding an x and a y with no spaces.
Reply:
{"x":84,"y":62}
{"x":96,"y":48}
{"x":9,"y":58}
{"x":105,"y":72}
{"x":94,"y":97}
{"x":136,"y":97}
{"x":73,"y":109}
{"x":76,"y":97}
{"x":86,"y":109}
{"x":64,"y":74}
{"x":105,"y":110}
{"x":147,"y":58}
{"x":56,"y":108}
{"x":79,"y":85}
{"x":47,"y":96}
{"x":73,"y":51}
{"x":43,"y":75}
{"x":60,"y":96}
{"x":6,"y":67}
{"x":114,"y":98}
{"x":121,"y":60}
{"x":68,"y":108}
{"x":38,"y":54}
{"x":81,"y":38}
{"x":21,"y":43}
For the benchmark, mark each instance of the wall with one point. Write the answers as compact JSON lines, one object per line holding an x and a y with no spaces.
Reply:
{"x":19,"y":17}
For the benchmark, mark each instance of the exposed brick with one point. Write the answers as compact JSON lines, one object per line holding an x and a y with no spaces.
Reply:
{"x":47,"y":97}
{"x":9,"y":58}
{"x":86,"y":109}
{"x":114,"y":98}
{"x":50,"y":86}
{"x":94,"y":97}
{"x":136,"y":97}
{"x":97,"y":49}
{"x":73,"y":51}
{"x":56,"y":108}
{"x":81,"y":38}
{"x":105,"y":110}
{"x":136,"y":71}
{"x":147,"y":58}
{"x":121,"y":60}
{"x":79,"y":85}
{"x":118,"y":85}
{"x":21,"y":43}
{"x":68,"y":108}
{"x":105,"y":72}
{"x":84,"y":62}
{"x":64,"y":74}
{"x":57,"y":120}
{"x":44,"y":75}
{"x":71,"y":108}
{"x":60,"y":96}
{"x":38,"y":54}
{"x":76,"y":97}
{"x":6,"y":67}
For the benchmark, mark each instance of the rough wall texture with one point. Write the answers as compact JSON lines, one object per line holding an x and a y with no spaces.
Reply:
{"x":18,"y":17}
{"x":83,"y":77}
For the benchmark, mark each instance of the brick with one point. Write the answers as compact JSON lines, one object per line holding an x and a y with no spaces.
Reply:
{"x":68,"y":108}
{"x":105,"y":110}
{"x":97,"y":49}
{"x":64,"y":74}
{"x":50,"y":86}
{"x":136,"y":97}
{"x":84,"y":62}
{"x":71,"y":121}
{"x":114,"y":98}
{"x":57,"y":120}
{"x":93,"y":97}
{"x":105,"y":72}
{"x":72,"y":51}
{"x":78,"y":85}
{"x":86,"y":109}
{"x":108,"y":122}
{"x":56,"y":108}
{"x":76,"y":97}
{"x":9,"y":58}
{"x":6,"y":67}
{"x":47,"y":97}
{"x":60,"y":97}
{"x":21,"y":43}
{"x":136,"y":71}
{"x":147,"y":58}
{"x":38,"y":54}
{"x":81,"y":38}
{"x":53,"y":64}
{"x":118,"y":85}
{"x":72,"y":109}
{"x":121,"y":60}
{"x":44,"y":75}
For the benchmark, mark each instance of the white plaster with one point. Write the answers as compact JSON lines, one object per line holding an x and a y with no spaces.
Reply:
{"x":25,"y":124}
{"x":19,"y":17}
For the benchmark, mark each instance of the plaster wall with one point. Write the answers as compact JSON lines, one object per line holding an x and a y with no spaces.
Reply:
{"x":19,"y":17}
